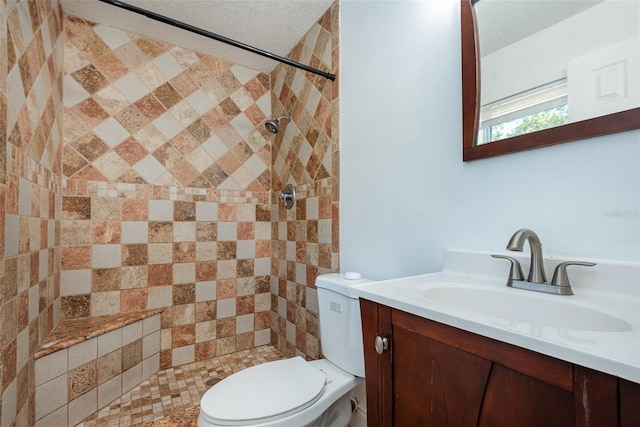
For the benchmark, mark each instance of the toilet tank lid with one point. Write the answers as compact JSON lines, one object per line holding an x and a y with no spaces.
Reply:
{"x":264,"y":392}
{"x":337,"y":283}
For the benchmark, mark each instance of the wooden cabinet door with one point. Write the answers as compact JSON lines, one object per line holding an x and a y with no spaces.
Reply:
{"x":435,"y":384}
{"x":376,"y":321}
{"x":514,"y":399}
{"x":596,"y":398}
{"x":436,"y":375}
{"x":443,"y":376}
{"x":629,"y":404}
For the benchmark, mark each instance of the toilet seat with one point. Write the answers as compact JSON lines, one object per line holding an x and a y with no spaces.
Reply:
{"x":264,"y":393}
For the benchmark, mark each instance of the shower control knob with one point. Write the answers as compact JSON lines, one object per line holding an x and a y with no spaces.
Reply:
{"x":381,"y":344}
{"x":288,"y":196}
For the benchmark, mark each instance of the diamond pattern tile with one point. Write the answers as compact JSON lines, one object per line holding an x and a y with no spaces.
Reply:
{"x":305,"y":153}
{"x":155,"y":109}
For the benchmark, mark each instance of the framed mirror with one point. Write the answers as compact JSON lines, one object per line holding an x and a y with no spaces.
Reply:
{"x":507,"y":109}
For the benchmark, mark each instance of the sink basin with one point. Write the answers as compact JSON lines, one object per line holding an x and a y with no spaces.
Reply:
{"x":598,"y":327}
{"x":516,"y":306}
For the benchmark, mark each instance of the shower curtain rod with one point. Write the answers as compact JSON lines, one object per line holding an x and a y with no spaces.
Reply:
{"x":214,"y":36}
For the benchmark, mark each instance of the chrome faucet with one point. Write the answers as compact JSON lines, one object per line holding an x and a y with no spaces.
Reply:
{"x":537,"y":279}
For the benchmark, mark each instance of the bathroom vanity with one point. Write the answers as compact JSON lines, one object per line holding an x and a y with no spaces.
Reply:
{"x":436,"y":375}
{"x":434,"y":362}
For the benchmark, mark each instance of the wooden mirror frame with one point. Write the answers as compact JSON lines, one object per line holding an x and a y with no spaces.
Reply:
{"x":603,"y":125}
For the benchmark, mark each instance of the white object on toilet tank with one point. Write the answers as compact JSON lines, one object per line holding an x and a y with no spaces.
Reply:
{"x":340,"y":324}
{"x":352,"y":275}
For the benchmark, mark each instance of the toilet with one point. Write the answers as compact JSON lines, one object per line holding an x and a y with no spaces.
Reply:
{"x":294,"y":392}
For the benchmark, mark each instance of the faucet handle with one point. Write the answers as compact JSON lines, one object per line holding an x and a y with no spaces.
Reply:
{"x":560,"y":276}
{"x":515,"y":272}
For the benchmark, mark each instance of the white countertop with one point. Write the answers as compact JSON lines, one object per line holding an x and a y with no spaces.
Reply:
{"x":610,"y":288}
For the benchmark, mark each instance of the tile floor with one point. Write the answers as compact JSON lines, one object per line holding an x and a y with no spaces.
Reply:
{"x":171,"y":398}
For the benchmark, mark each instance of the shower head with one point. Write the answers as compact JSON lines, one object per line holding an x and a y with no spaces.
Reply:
{"x":272,"y":125}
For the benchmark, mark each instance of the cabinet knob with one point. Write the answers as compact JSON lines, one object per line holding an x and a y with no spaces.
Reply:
{"x":381,"y":344}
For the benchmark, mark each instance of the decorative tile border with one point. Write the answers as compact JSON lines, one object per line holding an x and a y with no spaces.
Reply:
{"x":155,"y":192}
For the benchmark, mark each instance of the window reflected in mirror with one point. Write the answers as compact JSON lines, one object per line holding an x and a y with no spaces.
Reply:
{"x":536,"y":109}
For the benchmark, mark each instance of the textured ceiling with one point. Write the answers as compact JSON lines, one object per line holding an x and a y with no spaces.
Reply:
{"x":271,"y":25}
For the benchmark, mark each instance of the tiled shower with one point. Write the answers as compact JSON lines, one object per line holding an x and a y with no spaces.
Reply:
{"x":138,"y":175}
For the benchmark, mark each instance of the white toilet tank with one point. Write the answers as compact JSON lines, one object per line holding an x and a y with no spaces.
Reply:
{"x":340,"y":324}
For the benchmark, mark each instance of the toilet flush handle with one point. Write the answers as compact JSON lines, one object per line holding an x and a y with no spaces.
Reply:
{"x":381,"y":344}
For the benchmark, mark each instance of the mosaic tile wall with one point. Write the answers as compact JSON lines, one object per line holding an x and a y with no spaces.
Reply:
{"x":32,"y":53}
{"x":305,"y":154}
{"x":167,"y":172}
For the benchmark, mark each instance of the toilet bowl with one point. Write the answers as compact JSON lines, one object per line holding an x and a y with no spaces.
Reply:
{"x":290,"y":392}
{"x":295,"y":392}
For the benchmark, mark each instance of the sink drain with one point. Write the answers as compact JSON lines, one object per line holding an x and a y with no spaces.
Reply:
{"x":212,"y":382}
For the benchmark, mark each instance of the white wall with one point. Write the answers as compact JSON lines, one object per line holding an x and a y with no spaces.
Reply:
{"x":406,"y":195}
